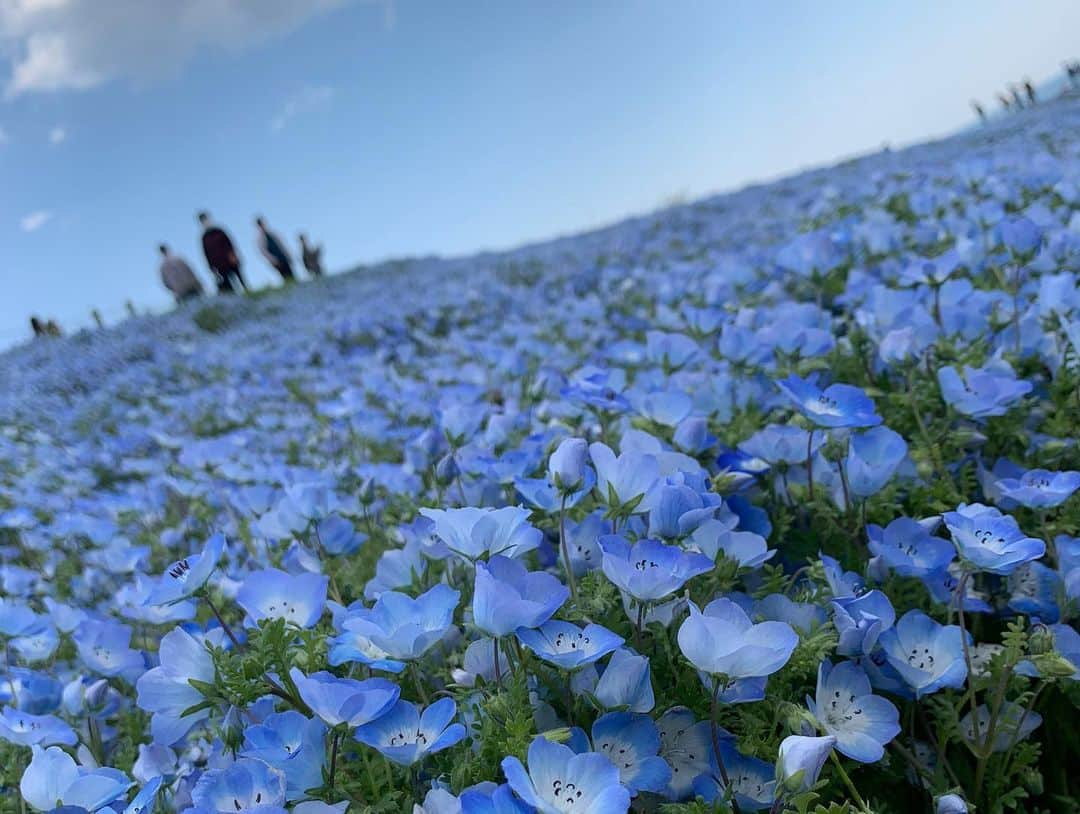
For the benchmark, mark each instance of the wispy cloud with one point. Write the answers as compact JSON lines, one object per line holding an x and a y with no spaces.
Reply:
{"x":35,"y":220}
{"x":57,"y":135}
{"x":307,"y":100}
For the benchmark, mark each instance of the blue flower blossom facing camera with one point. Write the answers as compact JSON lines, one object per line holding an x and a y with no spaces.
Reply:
{"x":187,"y":576}
{"x":272,"y":594}
{"x":558,"y":781}
{"x":1040,"y":488}
{"x":246,"y":785}
{"x":838,"y":405}
{"x":649,"y":570}
{"x":568,"y":646}
{"x":990,"y":541}
{"x":507,"y":596}
{"x":406,"y":735}
{"x":928,"y":656}
{"x":722,"y":641}
{"x":982,"y":392}
{"x":844,"y":705}
{"x":909,"y":547}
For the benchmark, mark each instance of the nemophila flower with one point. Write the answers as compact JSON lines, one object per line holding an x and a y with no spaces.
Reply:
{"x":37,"y":642}
{"x":53,"y":779}
{"x":649,"y":570}
{"x":841,"y":583}
{"x":686,"y":744}
{"x":272,"y":594}
{"x":292,"y":744}
{"x":722,"y":641}
{"x":186,"y":577}
{"x":1014,"y":724}
{"x":624,"y":479}
{"x":568,"y":464}
{"x":568,"y":646}
{"x":397,"y":628}
{"x":800,"y":760}
{"x":1040,"y":488}
{"x":479,"y":661}
{"x":927,"y":655}
{"x":345,"y":700}
{"x":692,"y":435}
{"x":838,"y":405}
{"x":753,"y":781}
{"x":559,"y":781}
{"x":154,"y":761}
{"x":24,"y":729}
{"x":397,"y":568}
{"x":780,"y":444}
{"x":982,"y":392}
{"x":860,"y":620}
{"x":506,"y":596}
{"x":337,"y":536}
{"x":873,"y":458}
{"x":909,"y":548}
{"x":405,"y":735}
{"x":950,"y":804}
{"x":988,"y":540}
{"x":1020,"y":235}
{"x":146,"y":798}
{"x":631,"y":742}
{"x":626,"y":683}
{"x":1036,"y":590}
{"x":581,"y":542}
{"x":166,"y":691}
{"x":714,"y":538}
{"x":244,"y":785}
{"x":861,"y":722}
{"x":472,"y":533}
{"x":30,"y":691}
{"x":677,"y":510}
{"x":944,"y":587}
{"x":804,"y":617}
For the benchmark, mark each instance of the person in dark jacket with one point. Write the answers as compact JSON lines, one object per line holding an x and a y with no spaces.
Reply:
{"x":221,"y":256}
{"x":274,"y":251}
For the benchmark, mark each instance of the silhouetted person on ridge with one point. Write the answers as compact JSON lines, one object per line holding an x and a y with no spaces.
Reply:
{"x":38,"y":326}
{"x":178,"y":277}
{"x":312,"y":256}
{"x":1029,"y":89}
{"x":1006,"y":105}
{"x":274,"y":251}
{"x":221,"y":256}
{"x":979,"y":110}
{"x":1017,"y":99}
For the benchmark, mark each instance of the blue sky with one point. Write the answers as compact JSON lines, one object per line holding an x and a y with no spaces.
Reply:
{"x":404,"y":128}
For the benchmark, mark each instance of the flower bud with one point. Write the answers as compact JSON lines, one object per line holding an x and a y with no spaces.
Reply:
{"x":566,"y":466}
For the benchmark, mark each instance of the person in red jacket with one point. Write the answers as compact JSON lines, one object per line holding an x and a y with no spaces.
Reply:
{"x":221,"y":256}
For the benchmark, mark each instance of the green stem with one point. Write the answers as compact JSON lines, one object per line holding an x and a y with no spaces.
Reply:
{"x":810,"y":465}
{"x":847,"y":782}
{"x":714,"y":731}
{"x":570,"y":579}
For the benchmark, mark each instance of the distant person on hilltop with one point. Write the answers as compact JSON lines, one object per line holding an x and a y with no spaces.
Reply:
{"x":1006,"y":105}
{"x":178,"y":277}
{"x":979,"y":110}
{"x":274,"y":251}
{"x":1072,"y":69}
{"x":312,"y":256}
{"x":221,"y":256}
{"x":38,"y":326}
{"x":1029,"y":89}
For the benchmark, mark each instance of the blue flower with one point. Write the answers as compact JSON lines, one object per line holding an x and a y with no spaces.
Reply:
{"x":982,"y":392}
{"x":1020,"y":235}
{"x":568,"y":464}
{"x":753,"y":781}
{"x":860,"y":620}
{"x":1014,"y":724}
{"x":246,"y":785}
{"x":950,"y":804}
{"x":907,"y":547}
{"x":677,"y":510}
{"x":507,"y":596}
{"x":632,"y":741}
{"x":53,"y":779}
{"x":397,"y":628}
{"x":692,"y":435}
{"x":558,"y":781}
{"x":625,"y":479}
{"x":745,"y":548}
{"x":493,"y":800}
{"x":345,"y":700}
{"x":648,"y":570}
{"x":722,"y":641}
{"x":838,"y":405}
{"x":166,"y":691}
{"x":800,"y":760}
{"x":337,"y":536}
{"x":686,"y":744}
{"x":292,"y":744}
{"x":25,"y":729}
{"x":626,"y":683}
{"x":273,"y":594}
{"x":568,"y":646}
{"x":1036,"y":590}
{"x":988,"y":540}
{"x":927,"y":655}
{"x":872,"y":459}
{"x":186,"y":577}
{"x":473,"y":533}
{"x":144,"y":801}
{"x":861,"y":722}
{"x":1040,"y":488}
{"x":404,"y":735}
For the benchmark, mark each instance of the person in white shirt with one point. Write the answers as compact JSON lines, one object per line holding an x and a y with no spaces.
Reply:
{"x":178,"y":277}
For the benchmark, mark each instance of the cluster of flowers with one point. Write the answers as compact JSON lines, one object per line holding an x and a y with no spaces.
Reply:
{"x":758,"y":504}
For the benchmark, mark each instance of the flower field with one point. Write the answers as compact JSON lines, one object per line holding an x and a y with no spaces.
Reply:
{"x":765,"y":502}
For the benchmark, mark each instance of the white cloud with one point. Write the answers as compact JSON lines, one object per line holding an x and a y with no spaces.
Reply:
{"x":35,"y":220}
{"x":307,"y":99}
{"x":57,"y":135}
{"x":53,"y":45}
